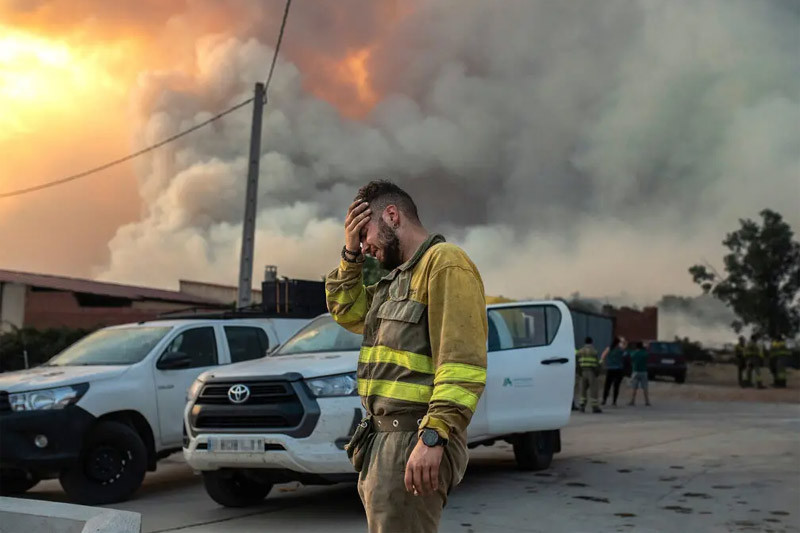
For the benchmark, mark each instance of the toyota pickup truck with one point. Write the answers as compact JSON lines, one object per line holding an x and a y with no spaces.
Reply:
{"x":287,"y":417}
{"x":105,"y":410}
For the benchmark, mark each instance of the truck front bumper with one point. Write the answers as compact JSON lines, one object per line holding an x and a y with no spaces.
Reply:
{"x":321,"y":452}
{"x":63,"y":430}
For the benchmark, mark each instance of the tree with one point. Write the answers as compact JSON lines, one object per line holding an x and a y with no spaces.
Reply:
{"x":763,"y":277}
{"x":41,"y":345}
{"x":373,"y":271}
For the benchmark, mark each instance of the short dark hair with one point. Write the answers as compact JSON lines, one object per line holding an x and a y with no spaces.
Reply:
{"x":381,"y":193}
{"x":588,"y":340}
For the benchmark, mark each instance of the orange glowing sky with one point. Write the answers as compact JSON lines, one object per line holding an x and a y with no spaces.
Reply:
{"x":67,"y":72}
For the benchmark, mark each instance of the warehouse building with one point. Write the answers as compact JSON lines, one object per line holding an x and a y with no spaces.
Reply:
{"x":45,"y":301}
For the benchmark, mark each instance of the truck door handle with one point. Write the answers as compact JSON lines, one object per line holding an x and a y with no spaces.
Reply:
{"x":166,"y":387}
{"x":555,"y":361}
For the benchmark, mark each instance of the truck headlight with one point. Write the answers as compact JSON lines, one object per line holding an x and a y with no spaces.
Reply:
{"x":194,"y":390}
{"x":57,"y":398}
{"x":339,"y":385}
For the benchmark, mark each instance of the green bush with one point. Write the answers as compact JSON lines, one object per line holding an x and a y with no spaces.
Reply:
{"x":41,"y":345}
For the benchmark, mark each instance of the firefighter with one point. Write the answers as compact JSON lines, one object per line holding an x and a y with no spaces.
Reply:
{"x":778,"y":355}
{"x":589,"y":365}
{"x":741,"y":363}
{"x":422,"y":366}
{"x":754,"y":353}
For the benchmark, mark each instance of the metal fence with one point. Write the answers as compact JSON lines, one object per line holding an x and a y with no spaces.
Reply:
{"x":599,"y":327}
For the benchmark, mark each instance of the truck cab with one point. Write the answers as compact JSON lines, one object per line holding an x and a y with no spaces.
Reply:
{"x":288,"y":416}
{"x":106,"y":409}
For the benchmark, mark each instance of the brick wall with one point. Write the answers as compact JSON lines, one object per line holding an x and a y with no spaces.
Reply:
{"x":635,"y":325}
{"x":52,"y":309}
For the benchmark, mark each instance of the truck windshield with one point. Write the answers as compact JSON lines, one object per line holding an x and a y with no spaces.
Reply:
{"x":124,"y":346}
{"x":321,"y":335}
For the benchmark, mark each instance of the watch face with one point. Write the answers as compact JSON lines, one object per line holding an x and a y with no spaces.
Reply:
{"x":430,"y":437}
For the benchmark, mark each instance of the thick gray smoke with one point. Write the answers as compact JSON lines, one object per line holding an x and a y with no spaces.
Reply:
{"x":600,"y":147}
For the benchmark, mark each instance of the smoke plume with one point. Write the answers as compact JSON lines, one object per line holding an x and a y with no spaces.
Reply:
{"x":600,"y":147}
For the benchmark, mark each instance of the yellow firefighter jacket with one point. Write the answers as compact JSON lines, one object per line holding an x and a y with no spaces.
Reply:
{"x":425,"y":328}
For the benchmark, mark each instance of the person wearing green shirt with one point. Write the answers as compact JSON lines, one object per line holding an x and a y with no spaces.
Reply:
{"x":639,"y":379}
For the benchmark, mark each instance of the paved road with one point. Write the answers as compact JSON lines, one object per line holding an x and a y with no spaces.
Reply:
{"x":679,"y":466}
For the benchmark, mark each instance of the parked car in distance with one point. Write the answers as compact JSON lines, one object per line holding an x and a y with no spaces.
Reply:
{"x":666,"y":359}
{"x":101,"y":413}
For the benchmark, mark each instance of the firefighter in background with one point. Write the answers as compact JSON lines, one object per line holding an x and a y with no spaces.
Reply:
{"x":754,"y":353}
{"x":778,"y":356}
{"x":589,"y":365}
{"x":741,"y":363}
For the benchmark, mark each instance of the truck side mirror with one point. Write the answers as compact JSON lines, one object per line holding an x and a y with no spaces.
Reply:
{"x":174,"y":361}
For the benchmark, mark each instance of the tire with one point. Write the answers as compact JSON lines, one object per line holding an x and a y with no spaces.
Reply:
{"x":680,"y":378}
{"x":14,"y":481}
{"x":111,"y":467}
{"x":533,"y":451}
{"x":234,"y":489}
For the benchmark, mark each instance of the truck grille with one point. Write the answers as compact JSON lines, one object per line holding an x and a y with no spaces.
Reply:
{"x":5,"y":405}
{"x":271,"y":405}
{"x":237,"y":421}
{"x":261,"y":393}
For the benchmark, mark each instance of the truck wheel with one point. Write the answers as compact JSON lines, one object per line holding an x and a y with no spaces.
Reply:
{"x":234,"y":489}
{"x":14,"y":481}
{"x":533,"y":451}
{"x":680,"y":378}
{"x":111,"y":467}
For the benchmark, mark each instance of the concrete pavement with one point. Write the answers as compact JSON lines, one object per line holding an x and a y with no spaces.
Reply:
{"x":676,"y":467}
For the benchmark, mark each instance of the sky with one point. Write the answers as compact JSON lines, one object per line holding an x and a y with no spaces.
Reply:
{"x":592,"y":147}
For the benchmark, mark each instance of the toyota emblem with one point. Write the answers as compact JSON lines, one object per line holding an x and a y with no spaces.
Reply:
{"x":238,"y":393}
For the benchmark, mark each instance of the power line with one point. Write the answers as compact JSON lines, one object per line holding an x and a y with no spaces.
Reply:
{"x":277,"y":48}
{"x":127,"y":157}
{"x":163,"y":142}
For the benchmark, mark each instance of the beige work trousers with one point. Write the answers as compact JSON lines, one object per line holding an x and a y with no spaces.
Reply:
{"x":590,"y":386}
{"x":390,"y":508}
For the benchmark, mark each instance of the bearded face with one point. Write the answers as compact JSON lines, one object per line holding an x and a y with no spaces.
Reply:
{"x":388,"y":249}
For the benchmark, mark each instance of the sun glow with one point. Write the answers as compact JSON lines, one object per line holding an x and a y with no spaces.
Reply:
{"x":43,"y":79}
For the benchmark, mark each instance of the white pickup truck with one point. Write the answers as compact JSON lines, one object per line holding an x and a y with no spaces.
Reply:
{"x":288,"y":416}
{"x":102,"y":412}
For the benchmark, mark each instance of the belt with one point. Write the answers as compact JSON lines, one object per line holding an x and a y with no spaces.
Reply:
{"x":396,"y":423}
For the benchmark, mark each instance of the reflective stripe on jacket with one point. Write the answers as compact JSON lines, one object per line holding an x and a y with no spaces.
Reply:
{"x":778,"y":349}
{"x":425,"y":330}
{"x":587,"y":357}
{"x":752,"y":349}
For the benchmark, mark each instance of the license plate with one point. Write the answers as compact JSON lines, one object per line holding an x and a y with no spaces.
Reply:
{"x":668,"y":361}
{"x":236,"y":445}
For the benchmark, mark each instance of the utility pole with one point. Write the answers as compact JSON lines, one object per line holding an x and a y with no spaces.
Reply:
{"x":251,"y":199}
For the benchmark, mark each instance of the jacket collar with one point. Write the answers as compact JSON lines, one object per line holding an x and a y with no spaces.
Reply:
{"x":432,"y":240}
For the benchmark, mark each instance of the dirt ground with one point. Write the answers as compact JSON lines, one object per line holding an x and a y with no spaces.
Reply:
{"x":717,"y":382}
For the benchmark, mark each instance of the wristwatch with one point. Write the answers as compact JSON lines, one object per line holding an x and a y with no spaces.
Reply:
{"x":430,"y":438}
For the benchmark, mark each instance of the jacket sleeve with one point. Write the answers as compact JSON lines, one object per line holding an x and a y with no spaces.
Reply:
{"x":347,"y":298}
{"x":458,"y":330}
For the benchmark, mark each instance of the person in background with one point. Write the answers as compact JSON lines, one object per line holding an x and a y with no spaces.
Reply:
{"x":639,"y":379}
{"x":589,"y":365}
{"x":778,"y":357}
{"x":614,"y":359}
{"x":741,"y":363}
{"x":754,"y":353}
